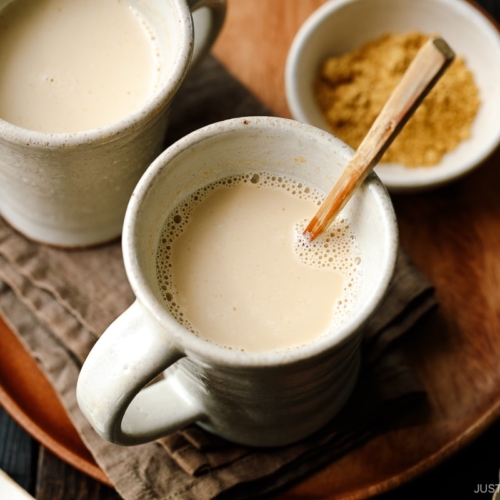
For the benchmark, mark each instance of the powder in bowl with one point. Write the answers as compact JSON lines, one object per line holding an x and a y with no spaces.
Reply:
{"x":352,"y":89}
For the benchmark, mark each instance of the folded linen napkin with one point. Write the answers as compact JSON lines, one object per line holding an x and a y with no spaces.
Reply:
{"x":59,"y":302}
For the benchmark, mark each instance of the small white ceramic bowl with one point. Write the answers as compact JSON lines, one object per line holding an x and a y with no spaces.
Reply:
{"x":340,"y":26}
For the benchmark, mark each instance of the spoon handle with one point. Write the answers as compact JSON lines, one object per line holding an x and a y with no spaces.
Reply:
{"x":424,"y":71}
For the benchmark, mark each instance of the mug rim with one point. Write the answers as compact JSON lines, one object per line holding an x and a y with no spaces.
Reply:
{"x":190,"y":343}
{"x":105,"y":133}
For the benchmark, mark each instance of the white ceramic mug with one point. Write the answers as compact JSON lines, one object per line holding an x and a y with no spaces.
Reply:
{"x":72,"y":189}
{"x":255,"y":398}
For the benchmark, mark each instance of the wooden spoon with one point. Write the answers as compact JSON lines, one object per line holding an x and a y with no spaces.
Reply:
{"x":424,"y":71}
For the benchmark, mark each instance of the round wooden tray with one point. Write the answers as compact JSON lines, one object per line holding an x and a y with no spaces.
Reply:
{"x":453,"y":235}
{"x":29,"y":398}
{"x":463,"y":401}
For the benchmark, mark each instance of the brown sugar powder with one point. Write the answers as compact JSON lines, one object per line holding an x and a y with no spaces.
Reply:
{"x":352,"y":89}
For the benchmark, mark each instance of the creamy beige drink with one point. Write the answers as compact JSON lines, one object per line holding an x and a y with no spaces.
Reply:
{"x":73,"y":65}
{"x":233,"y":266}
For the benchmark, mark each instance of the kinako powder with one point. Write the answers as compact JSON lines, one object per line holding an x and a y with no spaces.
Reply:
{"x":352,"y":89}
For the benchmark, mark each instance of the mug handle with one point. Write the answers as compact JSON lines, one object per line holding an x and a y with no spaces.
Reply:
{"x":111,"y":388}
{"x":216,"y":9}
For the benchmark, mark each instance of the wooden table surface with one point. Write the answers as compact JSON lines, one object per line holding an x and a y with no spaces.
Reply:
{"x":453,"y":234}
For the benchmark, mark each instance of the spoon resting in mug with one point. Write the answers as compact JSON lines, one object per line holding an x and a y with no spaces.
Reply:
{"x":424,"y":71}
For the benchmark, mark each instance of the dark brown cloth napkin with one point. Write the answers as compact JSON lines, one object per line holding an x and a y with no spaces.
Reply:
{"x":59,"y":302}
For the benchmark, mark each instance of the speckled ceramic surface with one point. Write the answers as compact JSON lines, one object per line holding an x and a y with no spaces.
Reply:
{"x":72,"y":189}
{"x":256,"y":398}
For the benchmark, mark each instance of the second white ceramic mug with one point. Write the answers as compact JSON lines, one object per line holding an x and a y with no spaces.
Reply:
{"x":72,"y":189}
{"x":255,"y":398}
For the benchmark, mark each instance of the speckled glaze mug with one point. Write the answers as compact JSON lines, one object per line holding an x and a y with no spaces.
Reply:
{"x":72,"y":189}
{"x":256,"y":398}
